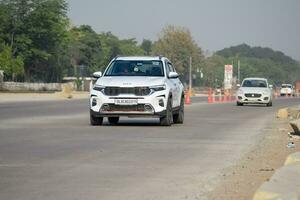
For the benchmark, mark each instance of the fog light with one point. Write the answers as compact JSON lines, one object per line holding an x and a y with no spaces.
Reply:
{"x":161,"y":102}
{"x":105,"y":107}
{"x":94,"y":102}
{"x":148,"y":108}
{"x":140,"y":108}
{"x":266,"y":98}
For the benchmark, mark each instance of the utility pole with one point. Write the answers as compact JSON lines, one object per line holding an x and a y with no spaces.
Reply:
{"x":190,"y":76}
{"x":239,"y":75}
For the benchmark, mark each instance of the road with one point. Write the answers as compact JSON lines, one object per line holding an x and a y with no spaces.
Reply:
{"x":49,"y":151}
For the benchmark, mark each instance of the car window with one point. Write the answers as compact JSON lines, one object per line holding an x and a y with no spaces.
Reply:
{"x":135,"y":68}
{"x":255,"y":83}
{"x":170,"y":67}
{"x":286,"y":86}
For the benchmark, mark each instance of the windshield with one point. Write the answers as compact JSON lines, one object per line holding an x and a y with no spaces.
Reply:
{"x":135,"y":68}
{"x":286,"y":86}
{"x":255,"y":83}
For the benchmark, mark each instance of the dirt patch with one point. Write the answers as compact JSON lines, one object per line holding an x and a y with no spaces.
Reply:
{"x":242,"y":180}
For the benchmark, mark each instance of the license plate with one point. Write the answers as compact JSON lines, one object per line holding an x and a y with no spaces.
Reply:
{"x":252,"y":100}
{"x":126,"y":101}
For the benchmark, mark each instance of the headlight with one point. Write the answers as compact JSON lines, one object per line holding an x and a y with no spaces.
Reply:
{"x":99,"y":88}
{"x":157,"y":88}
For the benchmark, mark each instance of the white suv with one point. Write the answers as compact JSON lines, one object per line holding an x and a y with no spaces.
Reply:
{"x":254,"y":91}
{"x":137,"y":87}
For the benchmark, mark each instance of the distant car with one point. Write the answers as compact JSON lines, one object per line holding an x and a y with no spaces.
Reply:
{"x":137,"y":87}
{"x":287,"y":90}
{"x":254,"y":91}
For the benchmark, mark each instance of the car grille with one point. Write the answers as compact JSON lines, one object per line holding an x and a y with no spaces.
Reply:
{"x":252,"y":95}
{"x":138,"y":91}
{"x":126,"y":108}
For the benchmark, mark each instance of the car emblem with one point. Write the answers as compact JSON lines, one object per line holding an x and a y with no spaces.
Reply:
{"x":253,"y":95}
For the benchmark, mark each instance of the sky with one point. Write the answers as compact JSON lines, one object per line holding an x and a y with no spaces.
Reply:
{"x":214,"y":24}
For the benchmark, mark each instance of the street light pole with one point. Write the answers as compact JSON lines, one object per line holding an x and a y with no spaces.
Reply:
{"x":190,"y":75}
{"x":239,"y":75}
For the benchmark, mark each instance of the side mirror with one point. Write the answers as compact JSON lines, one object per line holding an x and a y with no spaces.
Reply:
{"x":173,"y":75}
{"x":271,"y":86}
{"x":238,"y":85}
{"x":97,"y":74}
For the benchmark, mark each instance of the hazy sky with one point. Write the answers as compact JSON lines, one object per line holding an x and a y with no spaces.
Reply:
{"x":214,"y":24}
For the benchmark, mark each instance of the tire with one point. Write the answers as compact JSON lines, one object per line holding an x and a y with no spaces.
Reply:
{"x":95,"y":121}
{"x":239,"y":104}
{"x":167,"y":120}
{"x":270,"y":104}
{"x":113,"y":120}
{"x":178,"y":118}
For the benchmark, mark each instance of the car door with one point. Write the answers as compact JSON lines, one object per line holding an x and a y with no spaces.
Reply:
{"x":175,"y":85}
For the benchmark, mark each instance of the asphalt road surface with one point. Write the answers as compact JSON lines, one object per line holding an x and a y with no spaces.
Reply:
{"x":49,"y":151}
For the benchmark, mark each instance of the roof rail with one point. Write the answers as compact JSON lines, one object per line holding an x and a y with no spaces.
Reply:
{"x":117,"y":56}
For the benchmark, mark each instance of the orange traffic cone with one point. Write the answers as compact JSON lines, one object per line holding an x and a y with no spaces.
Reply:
{"x":275,"y":95}
{"x":209,"y":97}
{"x":187,"y":98}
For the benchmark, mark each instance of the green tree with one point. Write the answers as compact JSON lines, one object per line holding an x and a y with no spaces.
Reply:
{"x":213,"y":70}
{"x":85,"y":50}
{"x":35,"y":30}
{"x":263,"y":62}
{"x":147,"y":46}
{"x":177,"y":44}
{"x":112,"y":46}
{"x":130,"y":47}
{"x":13,"y":67}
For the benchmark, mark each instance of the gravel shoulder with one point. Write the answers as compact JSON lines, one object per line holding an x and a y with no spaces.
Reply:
{"x":243,"y":179}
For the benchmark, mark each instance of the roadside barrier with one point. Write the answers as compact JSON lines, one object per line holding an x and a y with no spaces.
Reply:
{"x":213,"y":98}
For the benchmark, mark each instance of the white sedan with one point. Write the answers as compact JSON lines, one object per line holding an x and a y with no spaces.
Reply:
{"x":254,"y":91}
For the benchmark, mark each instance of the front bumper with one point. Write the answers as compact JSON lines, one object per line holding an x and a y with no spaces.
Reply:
{"x":153,"y":105}
{"x":127,"y":114}
{"x":263,"y":99}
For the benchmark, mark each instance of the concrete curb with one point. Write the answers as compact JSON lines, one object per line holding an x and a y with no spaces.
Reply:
{"x":293,"y":158}
{"x":284,"y":184}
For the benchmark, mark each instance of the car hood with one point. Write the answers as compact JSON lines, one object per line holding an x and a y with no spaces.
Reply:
{"x":129,"y":81}
{"x":254,"y":89}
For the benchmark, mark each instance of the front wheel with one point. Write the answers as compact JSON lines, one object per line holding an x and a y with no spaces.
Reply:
{"x":167,"y":120}
{"x":270,"y":104}
{"x":178,"y":118}
{"x":239,"y":104}
{"x":95,"y":121}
